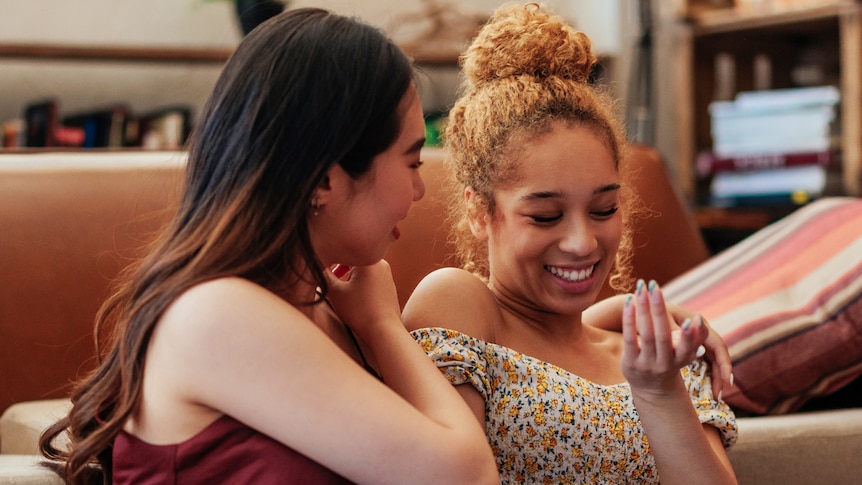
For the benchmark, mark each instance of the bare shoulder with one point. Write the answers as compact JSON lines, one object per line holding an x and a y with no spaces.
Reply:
{"x":220,"y":340}
{"x":452,"y":298}
{"x":224,"y":311}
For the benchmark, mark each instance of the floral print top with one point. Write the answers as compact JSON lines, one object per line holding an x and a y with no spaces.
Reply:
{"x":547,"y":425}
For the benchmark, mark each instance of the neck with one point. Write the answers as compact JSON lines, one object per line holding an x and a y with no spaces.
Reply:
{"x":562,"y":340}
{"x":300,"y":292}
{"x":526,"y":322}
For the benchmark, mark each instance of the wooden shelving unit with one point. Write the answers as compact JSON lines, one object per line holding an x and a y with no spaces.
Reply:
{"x":179,"y":55}
{"x":778,"y":34}
{"x":157,"y":55}
{"x":203,"y":55}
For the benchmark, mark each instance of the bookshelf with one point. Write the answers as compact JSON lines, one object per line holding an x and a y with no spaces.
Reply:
{"x":744,"y":36}
{"x":204,"y":62}
{"x":181,"y":55}
{"x":96,"y":77}
{"x":185,"y":55}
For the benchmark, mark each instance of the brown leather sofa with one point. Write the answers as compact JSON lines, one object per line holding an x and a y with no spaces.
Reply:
{"x":70,"y":221}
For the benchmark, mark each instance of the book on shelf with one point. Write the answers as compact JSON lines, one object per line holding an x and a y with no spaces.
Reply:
{"x":42,"y":128}
{"x":40,"y":118}
{"x":13,"y":133}
{"x":794,"y":185}
{"x":788,"y":98}
{"x":790,"y":120}
{"x":777,"y":200}
{"x":729,"y":120}
{"x":102,"y":127}
{"x":164,"y":128}
{"x":709,"y":163}
{"x":110,"y":126}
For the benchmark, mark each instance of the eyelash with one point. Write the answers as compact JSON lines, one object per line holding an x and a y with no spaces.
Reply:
{"x":600,"y":214}
{"x":607,"y":213}
{"x":545,"y":220}
{"x":418,"y":164}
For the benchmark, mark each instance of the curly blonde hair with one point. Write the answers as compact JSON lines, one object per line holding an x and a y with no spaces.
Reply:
{"x":526,"y":69}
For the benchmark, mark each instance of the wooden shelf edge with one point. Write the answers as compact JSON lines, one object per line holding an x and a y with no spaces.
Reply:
{"x":186,"y":55}
{"x":738,"y":218}
{"x":155,"y":54}
{"x":723,"y":20}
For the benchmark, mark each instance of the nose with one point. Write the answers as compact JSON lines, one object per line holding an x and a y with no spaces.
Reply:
{"x":579,"y":238}
{"x":418,"y":187}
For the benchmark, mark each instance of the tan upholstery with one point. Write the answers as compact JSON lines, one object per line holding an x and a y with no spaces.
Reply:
{"x":66,"y":229}
{"x":26,"y":470}
{"x":23,"y":422}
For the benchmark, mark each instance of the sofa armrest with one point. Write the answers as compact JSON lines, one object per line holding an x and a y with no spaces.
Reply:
{"x":26,"y":470}
{"x":799,"y":448}
{"x":22,"y":424}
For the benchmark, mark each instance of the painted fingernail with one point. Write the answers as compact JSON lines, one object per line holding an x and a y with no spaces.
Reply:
{"x":686,"y":324}
{"x":652,"y":285}
{"x":339,"y":270}
{"x":640,"y":287}
{"x":731,"y":379}
{"x":701,"y":351}
{"x":628,"y":299}
{"x":720,"y":394}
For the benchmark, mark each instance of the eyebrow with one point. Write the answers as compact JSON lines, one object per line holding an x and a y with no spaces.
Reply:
{"x":553,"y":194}
{"x":416,"y":146}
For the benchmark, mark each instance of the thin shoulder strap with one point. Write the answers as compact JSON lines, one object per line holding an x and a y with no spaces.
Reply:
{"x":361,"y":355}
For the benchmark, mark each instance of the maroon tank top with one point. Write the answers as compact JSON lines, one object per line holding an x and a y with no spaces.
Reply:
{"x":226,"y":451}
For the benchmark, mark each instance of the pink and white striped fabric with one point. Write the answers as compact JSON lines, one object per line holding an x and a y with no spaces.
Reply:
{"x":788,"y":302}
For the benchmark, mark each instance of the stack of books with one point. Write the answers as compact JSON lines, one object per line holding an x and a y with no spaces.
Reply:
{"x":771,"y":147}
{"x":109,"y":126}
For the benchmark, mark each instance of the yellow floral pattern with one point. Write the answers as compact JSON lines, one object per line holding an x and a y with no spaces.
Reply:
{"x":547,"y":425}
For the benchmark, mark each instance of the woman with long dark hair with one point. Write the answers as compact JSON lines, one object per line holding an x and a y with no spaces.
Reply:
{"x":236,"y":356}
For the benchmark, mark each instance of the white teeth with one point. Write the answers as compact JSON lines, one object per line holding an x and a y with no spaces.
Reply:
{"x":571,"y":275}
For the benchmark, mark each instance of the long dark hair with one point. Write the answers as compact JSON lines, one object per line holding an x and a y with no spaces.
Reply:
{"x":303,"y":91}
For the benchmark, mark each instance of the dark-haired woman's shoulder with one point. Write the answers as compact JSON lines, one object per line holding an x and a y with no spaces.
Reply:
{"x":455,"y":299}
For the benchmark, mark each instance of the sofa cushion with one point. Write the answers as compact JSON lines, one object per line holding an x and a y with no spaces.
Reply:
{"x":799,"y":448}
{"x":26,"y":470}
{"x":788,"y":302}
{"x":69,"y":223}
{"x":22,"y":423}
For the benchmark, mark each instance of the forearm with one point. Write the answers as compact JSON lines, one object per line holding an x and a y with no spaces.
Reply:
{"x":407,"y":370}
{"x":679,"y":442}
{"x":606,"y":314}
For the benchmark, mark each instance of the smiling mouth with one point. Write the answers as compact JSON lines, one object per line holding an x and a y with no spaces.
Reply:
{"x":572,"y":276}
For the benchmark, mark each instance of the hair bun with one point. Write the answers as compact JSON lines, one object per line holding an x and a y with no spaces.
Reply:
{"x":527,"y":40}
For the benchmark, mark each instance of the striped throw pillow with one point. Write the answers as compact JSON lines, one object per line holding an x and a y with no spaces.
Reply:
{"x":788,"y":302}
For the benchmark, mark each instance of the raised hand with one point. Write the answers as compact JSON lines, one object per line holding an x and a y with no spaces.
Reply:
{"x":365,"y":298}
{"x":651,"y":356}
{"x":714,"y":347}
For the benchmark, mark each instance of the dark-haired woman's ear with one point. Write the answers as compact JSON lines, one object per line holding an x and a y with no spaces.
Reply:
{"x":335,"y":185}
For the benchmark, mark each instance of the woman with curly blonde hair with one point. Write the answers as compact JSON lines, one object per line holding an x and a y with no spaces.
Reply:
{"x":541,"y":220}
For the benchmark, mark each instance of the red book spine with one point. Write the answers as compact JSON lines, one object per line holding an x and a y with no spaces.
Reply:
{"x":709,"y":164}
